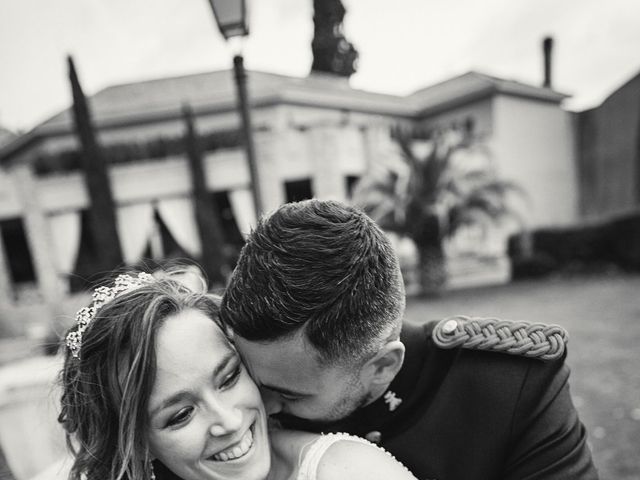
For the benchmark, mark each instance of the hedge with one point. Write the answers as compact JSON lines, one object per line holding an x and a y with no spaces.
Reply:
{"x":614,"y":243}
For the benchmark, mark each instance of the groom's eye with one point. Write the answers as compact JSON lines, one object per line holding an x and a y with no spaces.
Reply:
{"x":285,"y":395}
{"x":290,"y":398}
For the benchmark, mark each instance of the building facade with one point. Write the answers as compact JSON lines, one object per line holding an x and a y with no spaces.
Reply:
{"x":608,"y":144}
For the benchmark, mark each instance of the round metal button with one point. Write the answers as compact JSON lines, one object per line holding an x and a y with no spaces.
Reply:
{"x":374,"y":436}
{"x":449,"y":327}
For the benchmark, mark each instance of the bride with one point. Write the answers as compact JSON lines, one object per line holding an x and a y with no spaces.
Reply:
{"x":153,"y":388}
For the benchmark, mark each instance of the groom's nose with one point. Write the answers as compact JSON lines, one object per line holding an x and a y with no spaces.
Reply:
{"x":272,"y":401}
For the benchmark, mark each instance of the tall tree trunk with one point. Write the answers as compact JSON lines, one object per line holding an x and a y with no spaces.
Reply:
{"x":206,"y":212}
{"x":432,"y":269}
{"x":102,"y":215}
{"x":426,"y":232}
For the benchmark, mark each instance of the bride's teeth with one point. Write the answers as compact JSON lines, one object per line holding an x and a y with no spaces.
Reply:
{"x":238,"y":451}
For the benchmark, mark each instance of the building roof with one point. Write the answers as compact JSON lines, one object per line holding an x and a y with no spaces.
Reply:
{"x":474,"y":85}
{"x":215,"y":92}
{"x":6,"y":136}
{"x":633,"y":83}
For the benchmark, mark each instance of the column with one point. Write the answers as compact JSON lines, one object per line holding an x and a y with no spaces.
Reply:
{"x":377,"y":143}
{"x":327,"y":179}
{"x":268,"y":149}
{"x":38,"y":237}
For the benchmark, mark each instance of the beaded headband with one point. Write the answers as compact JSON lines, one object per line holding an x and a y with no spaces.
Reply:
{"x":101,"y":296}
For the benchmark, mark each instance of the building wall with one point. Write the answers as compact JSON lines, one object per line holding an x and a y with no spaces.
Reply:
{"x":306,"y":145}
{"x":480,"y":113}
{"x":225,"y":170}
{"x":134,"y":131}
{"x":533,"y":145}
{"x":9,"y":201}
{"x":291,"y":142}
{"x":609,"y":154}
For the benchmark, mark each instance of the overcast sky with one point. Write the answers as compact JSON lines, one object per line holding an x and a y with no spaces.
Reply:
{"x":403,"y":44}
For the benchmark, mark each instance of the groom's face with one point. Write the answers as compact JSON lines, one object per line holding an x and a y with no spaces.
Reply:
{"x":293,"y":381}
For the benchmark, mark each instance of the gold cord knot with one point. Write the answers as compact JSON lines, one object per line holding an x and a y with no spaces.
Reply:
{"x":534,"y":340}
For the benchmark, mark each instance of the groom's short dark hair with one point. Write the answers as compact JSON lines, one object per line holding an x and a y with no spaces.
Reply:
{"x":321,"y":266}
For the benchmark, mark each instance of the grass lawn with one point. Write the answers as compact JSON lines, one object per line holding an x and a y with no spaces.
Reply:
{"x":602,"y":315}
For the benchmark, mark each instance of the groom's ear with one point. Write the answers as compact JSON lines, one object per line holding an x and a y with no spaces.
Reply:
{"x":383,"y":367}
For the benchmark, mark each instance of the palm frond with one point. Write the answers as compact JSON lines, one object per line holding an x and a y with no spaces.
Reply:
{"x":438,"y":184}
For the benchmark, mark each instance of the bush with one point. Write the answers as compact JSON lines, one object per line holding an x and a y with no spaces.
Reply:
{"x":615,"y":243}
{"x":623,"y":242}
{"x":533,"y":266}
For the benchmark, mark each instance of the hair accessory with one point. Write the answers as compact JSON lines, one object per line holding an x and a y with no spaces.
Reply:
{"x":101,"y":296}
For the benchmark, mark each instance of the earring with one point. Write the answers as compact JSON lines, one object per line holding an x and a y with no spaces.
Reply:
{"x":153,"y":473}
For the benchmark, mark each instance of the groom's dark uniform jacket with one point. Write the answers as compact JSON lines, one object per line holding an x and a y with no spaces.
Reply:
{"x":468,"y":414}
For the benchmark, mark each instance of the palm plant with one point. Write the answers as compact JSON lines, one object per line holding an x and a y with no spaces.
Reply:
{"x":431,"y":190}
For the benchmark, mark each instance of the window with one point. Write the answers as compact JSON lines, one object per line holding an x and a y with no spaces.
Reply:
{"x":351,"y":181}
{"x":298,"y":190}
{"x":17,"y":251}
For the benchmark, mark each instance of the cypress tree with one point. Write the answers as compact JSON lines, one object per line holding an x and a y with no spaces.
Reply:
{"x":102,"y":216}
{"x":206,"y":211}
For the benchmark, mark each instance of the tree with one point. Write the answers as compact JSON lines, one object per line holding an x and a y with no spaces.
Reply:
{"x":206,"y":212}
{"x":434,"y":188}
{"x":332,"y":52}
{"x":102,"y":217}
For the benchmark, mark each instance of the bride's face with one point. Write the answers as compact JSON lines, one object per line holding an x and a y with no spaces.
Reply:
{"x":207,"y":420}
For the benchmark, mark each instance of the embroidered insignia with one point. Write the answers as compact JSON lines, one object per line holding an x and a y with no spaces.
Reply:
{"x":391,"y":400}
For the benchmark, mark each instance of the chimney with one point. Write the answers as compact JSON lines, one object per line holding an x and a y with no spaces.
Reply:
{"x":547,"y":47}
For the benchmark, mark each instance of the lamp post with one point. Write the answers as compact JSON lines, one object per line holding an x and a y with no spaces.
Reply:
{"x":231,"y":17}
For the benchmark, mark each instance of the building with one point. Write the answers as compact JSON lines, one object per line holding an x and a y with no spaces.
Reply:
{"x":608,"y":144}
{"x":314,"y":136}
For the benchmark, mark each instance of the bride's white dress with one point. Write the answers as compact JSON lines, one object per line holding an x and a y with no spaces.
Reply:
{"x":313,"y":452}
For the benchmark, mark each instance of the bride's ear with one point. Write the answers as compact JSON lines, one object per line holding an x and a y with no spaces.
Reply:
{"x":382,"y":368}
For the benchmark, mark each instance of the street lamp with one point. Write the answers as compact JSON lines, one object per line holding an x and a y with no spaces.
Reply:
{"x":231,"y":17}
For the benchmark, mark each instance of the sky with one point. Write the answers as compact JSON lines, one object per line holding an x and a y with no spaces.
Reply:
{"x":404,"y":45}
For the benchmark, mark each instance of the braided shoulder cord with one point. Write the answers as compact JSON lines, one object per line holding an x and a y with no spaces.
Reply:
{"x":534,"y":340}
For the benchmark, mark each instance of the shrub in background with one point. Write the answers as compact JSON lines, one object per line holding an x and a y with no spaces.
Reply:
{"x":615,"y":243}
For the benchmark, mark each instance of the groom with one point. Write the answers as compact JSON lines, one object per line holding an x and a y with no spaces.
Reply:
{"x":317,"y":302}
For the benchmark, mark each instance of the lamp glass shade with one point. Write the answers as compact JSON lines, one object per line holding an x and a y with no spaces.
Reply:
{"x":231,"y":17}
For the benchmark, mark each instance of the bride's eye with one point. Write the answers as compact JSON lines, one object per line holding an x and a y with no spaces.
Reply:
{"x":231,"y":379}
{"x":181,"y":417}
